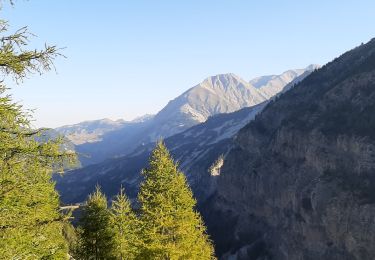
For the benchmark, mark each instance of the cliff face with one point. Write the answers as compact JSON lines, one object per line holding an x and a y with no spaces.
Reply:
{"x":299,"y":182}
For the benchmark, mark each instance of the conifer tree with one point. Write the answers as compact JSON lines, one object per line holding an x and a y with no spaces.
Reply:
{"x":70,"y":235}
{"x":97,"y":239}
{"x":170,"y":227}
{"x":30,"y":221}
{"x":125,"y":225}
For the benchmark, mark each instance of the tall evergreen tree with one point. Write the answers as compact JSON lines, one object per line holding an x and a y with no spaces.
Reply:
{"x":30,"y":221}
{"x":97,"y":239}
{"x":171,"y":228}
{"x":125,"y":225}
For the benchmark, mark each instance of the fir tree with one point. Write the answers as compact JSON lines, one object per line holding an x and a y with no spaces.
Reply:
{"x":125,"y":225}
{"x":97,"y":239}
{"x":170,"y":227}
{"x":30,"y":221}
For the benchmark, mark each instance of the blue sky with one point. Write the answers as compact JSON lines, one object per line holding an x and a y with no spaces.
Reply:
{"x":128,"y":58}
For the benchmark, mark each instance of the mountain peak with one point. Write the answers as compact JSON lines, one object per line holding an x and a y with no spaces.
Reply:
{"x":225,"y":76}
{"x":313,"y":67}
{"x":222,"y":93}
{"x":273,"y":84}
{"x":223,"y":80}
{"x":143,"y":118}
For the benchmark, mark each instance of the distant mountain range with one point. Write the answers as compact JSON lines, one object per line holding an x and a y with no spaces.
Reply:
{"x":197,"y":148}
{"x":89,"y":131}
{"x":103,"y":139}
{"x":93,"y":131}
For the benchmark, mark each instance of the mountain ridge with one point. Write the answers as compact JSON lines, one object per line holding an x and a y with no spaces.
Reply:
{"x":197,"y":149}
{"x":223,"y":93}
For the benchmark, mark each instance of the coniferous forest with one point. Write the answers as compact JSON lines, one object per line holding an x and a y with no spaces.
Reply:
{"x":163,"y":226}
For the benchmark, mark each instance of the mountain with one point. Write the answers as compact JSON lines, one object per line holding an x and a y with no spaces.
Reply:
{"x":298,"y":181}
{"x":224,"y":93}
{"x":272,"y":84}
{"x":197,"y":149}
{"x":47,"y":135}
{"x":100,"y":139}
{"x":51,"y":134}
{"x":218,"y":94}
{"x":89,"y":131}
{"x":142,"y":119}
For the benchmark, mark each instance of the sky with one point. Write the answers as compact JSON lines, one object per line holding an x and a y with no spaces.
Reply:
{"x":129,"y":58}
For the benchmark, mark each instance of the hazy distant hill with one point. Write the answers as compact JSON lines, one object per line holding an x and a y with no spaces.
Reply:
{"x":92,"y":131}
{"x":89,"y":131}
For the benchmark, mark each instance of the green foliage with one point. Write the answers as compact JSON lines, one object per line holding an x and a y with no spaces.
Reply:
{"x":97,"y":237}
{"x":170,"y":227}
{"x":167,"y":226}
{"x":18,"y":62}
{"x":30,"y":221}
{"x":70,"y":235}
{"x":125,"y":225}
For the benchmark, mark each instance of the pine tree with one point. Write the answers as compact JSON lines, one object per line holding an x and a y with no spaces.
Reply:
{"x":97,"y":239}
{"x":125,"y":225}
{"x":70,"y":235}
{"x":170,"y":227}
{"x":30,"y":221}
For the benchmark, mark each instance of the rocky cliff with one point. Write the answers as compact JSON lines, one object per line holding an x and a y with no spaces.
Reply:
{"x":299,"y":181}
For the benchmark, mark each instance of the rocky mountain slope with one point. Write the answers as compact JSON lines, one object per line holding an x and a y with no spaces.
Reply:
{"x":299,"y":181}
{"x":225,"y":93}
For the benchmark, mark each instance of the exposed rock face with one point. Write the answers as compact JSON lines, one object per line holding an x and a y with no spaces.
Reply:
{"x":299,"y":182}
{"x":223,"y":93}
